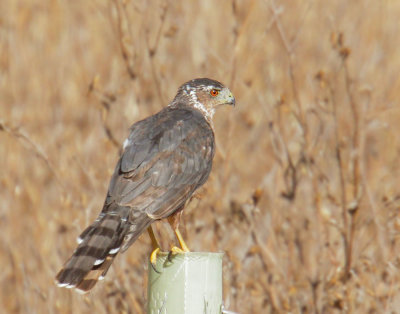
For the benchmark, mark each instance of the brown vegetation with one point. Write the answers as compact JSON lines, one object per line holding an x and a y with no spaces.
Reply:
{"x":304,"y":196}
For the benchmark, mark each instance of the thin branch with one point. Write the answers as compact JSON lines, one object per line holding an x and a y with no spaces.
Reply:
{"x":124,"y":50}
{"x":291,"y":56}
{"x":340,"y":167}
{"x":152,"y":50}
{"x":106,"y":100}
{"x":28,"y":143}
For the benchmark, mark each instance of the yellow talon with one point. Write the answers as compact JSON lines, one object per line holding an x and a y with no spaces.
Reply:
{"x":156,"y":247}
{"x":153,"y":256}
{"x":177,"y":250}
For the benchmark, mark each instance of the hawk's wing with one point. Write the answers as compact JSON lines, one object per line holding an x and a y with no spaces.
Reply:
{"x":167,"y":157}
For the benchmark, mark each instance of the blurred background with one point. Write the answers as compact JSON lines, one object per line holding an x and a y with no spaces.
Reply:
{"x":304,"y":195}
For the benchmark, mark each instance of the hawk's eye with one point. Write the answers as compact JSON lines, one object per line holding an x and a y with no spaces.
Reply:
{"x":214,"y":92}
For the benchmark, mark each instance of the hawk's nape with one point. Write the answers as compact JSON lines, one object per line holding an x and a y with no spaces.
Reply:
{"x":165,"y":159}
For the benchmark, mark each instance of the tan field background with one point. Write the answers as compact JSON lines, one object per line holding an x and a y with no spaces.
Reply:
{"x":304,"y":196}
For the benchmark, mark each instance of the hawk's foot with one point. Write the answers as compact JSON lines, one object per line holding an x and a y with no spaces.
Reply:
{"x":153,"y":258}
{"x":176,"y":250}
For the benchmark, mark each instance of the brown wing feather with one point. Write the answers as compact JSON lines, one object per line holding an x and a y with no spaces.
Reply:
{"x":180,"y":149}
{"x":180,"y":146}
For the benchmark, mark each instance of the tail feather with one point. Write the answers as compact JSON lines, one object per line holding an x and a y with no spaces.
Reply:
{"x":99,"y":245}
{"x":96,"y":274}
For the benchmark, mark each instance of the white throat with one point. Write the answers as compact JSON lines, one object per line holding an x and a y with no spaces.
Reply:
{"x":208,"y":112}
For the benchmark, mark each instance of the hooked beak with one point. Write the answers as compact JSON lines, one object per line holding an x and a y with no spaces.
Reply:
{"x":231,"y":100}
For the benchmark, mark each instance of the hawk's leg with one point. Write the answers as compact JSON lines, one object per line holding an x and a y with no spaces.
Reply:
{"x":156,"y":247}
{"x":174,"y":222}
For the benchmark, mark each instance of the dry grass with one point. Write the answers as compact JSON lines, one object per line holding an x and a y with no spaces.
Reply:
{"x":304,"y":196}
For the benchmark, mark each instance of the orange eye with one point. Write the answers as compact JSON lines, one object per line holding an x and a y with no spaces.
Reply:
{"x":214,"y":92}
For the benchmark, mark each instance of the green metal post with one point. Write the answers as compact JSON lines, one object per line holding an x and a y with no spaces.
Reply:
{"x":189,"y":283}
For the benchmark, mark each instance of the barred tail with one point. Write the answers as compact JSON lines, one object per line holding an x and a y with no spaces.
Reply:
{"x":98,"y":245}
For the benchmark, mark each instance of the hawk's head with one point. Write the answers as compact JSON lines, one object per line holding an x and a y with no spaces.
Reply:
{"x":205,"y":95}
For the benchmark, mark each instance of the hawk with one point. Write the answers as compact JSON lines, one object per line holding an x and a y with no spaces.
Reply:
{"x":166,"y":157}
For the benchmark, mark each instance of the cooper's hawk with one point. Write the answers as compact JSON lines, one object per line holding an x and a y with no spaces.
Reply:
{"x":165,"y":159}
